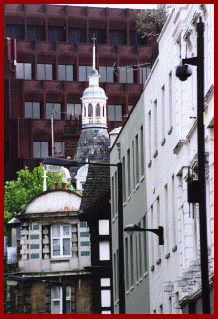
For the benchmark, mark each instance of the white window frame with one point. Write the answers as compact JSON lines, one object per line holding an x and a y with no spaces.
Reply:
{"x":61,"y":238}
{"x":60,"y":298}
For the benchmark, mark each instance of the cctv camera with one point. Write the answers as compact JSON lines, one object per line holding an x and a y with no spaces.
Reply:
{"x":183,"y":72}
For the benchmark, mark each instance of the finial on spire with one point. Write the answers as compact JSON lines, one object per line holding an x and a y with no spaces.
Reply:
{"x":94,"y":39}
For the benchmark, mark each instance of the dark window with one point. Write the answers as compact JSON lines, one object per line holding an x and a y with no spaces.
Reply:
{"x":114,"y":112}
{"x":32,"y":110}
{"x":55,"y":109}
{"x":14,"y":31}
{"x":136,"y":38}
{"x":84,"y":71}
{"x":98,"y":34}
{"x":126,"y":75}
{"x":65,"y":72}
{"x":45,"y":71}
{"x":40,"y":149}
{"x":106,"y":73}
{"x":59,"y":148}
{"x":77,"y":35}
{"x":56,"y":34}
{"x":117,"y":37}
{"x":144,"y":73}
{"x":74,"y":110}
{"x":35,"y":33}
{"x":24,"y":71}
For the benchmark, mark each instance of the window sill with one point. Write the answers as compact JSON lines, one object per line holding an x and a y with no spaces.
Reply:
{"x":163,"y":142}
{"x":124,"y":204}
{"x":132,"y":288}
{"x":129,"y":197}
{"x":167,"y":256}
{"x":149,"y":164}
{"x":137,"y":186}
{"x":152,"y":268}
{"x":142,"y":178}
{"x":174,"y":248}
{"x":158,"y":262}
{"x":170,"y":130}
{"x":140,"y":279}
{"x":155,"y":154}
{"x":145,"y":274}
{"x":114,"y":218}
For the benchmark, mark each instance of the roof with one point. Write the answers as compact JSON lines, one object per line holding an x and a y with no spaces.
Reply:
{"x":96,"y":186}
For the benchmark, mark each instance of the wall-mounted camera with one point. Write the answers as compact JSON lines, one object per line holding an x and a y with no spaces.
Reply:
{"x":183,"y":72}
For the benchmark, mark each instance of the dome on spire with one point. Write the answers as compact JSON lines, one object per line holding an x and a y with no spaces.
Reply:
{"x":94,"y":92}
{"x":94,"y":72}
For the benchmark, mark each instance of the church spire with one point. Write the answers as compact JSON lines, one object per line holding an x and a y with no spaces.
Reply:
{"x":94,"y":51}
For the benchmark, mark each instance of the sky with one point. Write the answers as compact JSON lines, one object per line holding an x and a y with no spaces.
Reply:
{"x":128,"y":5}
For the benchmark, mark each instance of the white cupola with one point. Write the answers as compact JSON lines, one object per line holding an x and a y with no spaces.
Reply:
{"x":94,"y":101}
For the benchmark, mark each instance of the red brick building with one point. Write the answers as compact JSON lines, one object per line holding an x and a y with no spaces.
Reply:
{"x":47,"y":57}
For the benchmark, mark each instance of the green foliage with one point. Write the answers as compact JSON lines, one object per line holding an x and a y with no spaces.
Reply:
{"x":151,"y":21}
{"x":28,"y":185}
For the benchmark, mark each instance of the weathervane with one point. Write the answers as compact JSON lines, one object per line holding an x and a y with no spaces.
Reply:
{"x":94,"y":39}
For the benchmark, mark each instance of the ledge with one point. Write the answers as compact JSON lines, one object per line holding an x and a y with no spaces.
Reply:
{"x":167,"y":256}
{"x":155,"y":154}
{"x":158,"y":262}
{"x":174,"y":248}
{"x":149,"y":164}
{"x":163,"y":142}
{"x":152,"y":268}
{"x":170,"y":130}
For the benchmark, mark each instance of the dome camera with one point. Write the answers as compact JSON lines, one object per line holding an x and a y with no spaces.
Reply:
{"x":183,"y":72}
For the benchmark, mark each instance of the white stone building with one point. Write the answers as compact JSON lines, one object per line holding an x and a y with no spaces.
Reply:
{"x":166,"y":113}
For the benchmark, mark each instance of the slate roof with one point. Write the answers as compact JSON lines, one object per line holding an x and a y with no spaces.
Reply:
{"x":96,"y":186}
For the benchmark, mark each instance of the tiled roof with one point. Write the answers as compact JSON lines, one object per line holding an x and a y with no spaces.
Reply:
{"x":97,"y":184}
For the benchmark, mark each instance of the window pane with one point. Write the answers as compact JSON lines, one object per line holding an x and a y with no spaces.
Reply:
{"x":28,"y":71}
{"x":77,"y":35}
{"x":56,"y":308}
{"x":61,"y":72}
{"x":14,"y":31}
{"x":56,"y":292}
{"x":70,"y":110}
{"x":89,"y":69}
{"x":49,"y":110}
{"x":69,"y":73}
{"x":117,"y":37}
{"x":123,"y":75}
{"x":98,"y":110}
{"x":104,"y":251}
{"x":56,"y":247}
{"x":110,"y":74}
{"x":102,"y":72}
{"x":118,"y":112}
{"x":66,"y":246}
{"x":66,"y":230}
{"x":35,"y":33}
{"x":82,"y":73}
{"x":44,"y":149}
{"x":68,"y":306}
{"x":56,"y":34}
{"x":36,"y":149}
{"x":55,"y":230}
{"x":36,"y":110}
{"x":105,"y":298}
{"x":111,"y":116}
{"x":78,"y":110}
{"x":20,"y":71}
{"x":105,"y":282}
{"x":129,"y":73}
{"x":41,"y":71}
{"x":57,"y":111}
{"x":103,"y":227}
{"x":48,"y":72}
{"x":28,"y":110}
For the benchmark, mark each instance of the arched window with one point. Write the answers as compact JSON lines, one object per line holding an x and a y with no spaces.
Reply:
{"x":90,"y":110}
{"x":98,"y":110}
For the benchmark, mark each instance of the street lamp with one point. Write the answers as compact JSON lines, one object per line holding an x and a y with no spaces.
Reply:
{"x":135,"y":228}
{"x":201,"y":184}
{"x":70,"y":163}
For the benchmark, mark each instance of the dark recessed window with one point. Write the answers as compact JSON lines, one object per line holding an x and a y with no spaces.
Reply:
{"x":32,"y":110}
{"x":126,"y":75}
{"x":24,"y":71}
{"x":106,"y":73}
{"x":84,"y":71}
{"x":74,"y":110}
{"x":45,"y":71}
{"x":77,"y":35}
{"x":40,"y":149}
{"x":55,"y":109}
{"x":15,"y":31}
{"x":114,"y":112}
{"x":65,"y":72}
{"x":136,"y":38}
{"x":35,"y":33}
{"x":56,"y":34}
{"x":98,"y":34}
{"x":117,"y":37}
